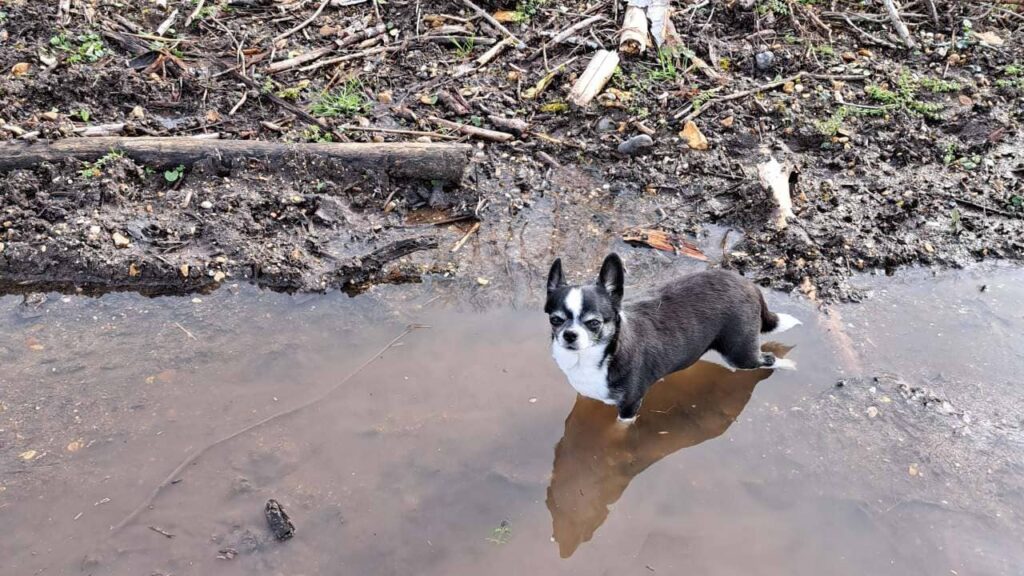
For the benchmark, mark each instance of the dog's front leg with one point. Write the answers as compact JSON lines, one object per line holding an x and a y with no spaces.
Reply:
{"x":629,"y":406}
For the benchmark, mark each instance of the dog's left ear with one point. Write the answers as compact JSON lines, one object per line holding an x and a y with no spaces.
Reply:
{"x":612,"y":278}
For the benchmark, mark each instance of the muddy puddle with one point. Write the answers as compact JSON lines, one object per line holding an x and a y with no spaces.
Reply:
{"x":461,"y":450}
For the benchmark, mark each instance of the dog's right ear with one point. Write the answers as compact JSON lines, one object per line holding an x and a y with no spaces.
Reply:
{"x":556,"y":279}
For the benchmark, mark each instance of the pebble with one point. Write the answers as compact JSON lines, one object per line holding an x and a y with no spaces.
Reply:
{"x":206,"y":205}
{"x":872,"y":412}
{"x":120,"y":240}
{"x":606,"y":124}
{"x":635,"y":145}
{"x":764,"y":60}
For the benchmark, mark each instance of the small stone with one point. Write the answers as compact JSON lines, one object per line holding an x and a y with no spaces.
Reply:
{"x":20,"y":69}
{"x":138,"y":113}
{"x":728,"y":121}
{"x":133,"y":270}
{"x":219,"y":276}
{"x":635,"y":145}
{"x":872,"y":412}
{"x":606,"y":124}
{"x":913,"y":470}
{"x":28,"y":455}
{"x":788,"y":87}
{"x":2,"y":246}
{"x":120,"y":240}
{"x":385,"y":97}
{"x":764,"y":60}
{"x":848,"y":56}
{"x":206,"y":205}
{"x":94,"y":230}
{"x":929,"y":248}
{"x":799,"y":88}
{"x":50,"y":116}
{"x":483,"y":281}
{"x":184,"y":270}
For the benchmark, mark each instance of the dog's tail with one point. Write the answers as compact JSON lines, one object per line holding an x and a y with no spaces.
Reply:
{"x":772,"y":323}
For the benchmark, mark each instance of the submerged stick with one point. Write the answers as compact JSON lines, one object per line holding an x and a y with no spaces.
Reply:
{"x":195,"y":455}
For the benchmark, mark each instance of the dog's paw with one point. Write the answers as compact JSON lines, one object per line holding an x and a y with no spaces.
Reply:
{"x":783,"y":364}
{"x":625,"y":421}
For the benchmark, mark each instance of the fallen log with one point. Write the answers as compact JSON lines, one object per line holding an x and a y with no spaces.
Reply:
{"x":434,"y":161}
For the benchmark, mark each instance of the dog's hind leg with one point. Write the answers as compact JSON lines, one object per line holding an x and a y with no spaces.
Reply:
{"x":743,"y":351}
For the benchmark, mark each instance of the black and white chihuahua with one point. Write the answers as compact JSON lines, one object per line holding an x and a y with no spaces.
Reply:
{"x":613,"y":351}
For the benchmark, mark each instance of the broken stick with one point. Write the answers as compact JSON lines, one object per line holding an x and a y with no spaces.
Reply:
{"x":433,"y":161}
{"x":897,"y":23}
{"x":593,"y":79}
{"x":633,"y":36}
{"x":470,"y":130}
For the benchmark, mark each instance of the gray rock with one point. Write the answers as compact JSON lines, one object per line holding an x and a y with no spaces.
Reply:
{"x":764,"y":60}
{"x":635,"y":145}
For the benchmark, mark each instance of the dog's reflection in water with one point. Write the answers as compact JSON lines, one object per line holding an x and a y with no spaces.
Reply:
{"x":597,"y":457}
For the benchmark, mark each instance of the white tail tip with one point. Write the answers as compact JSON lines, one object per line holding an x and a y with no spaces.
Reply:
{"x":785,"y":323}
{"x":783,"y":364}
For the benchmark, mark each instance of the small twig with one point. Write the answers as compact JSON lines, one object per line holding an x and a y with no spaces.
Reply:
{"x":867,"y":35}
{"x":304,"y":23}
{"x":898,"y":24}
{"x":741,"y":94}
{"x":462,"y":241}
{"x":166,"y":25}
{"x":245,"y":96}
{"x":159,"y":531}
{"x":558,"y":38}
{"x":172,"y":477}
{"x":347,"y":57}
{"x":976,"y":206}
{"x":492,"y":21}
{"x":482,"y":133}
{"x":189,"y":334}
{"x":192,"y":16}
{"x":398,"y":131}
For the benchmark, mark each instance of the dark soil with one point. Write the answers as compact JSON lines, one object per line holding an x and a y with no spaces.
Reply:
{"x":921,"y":165}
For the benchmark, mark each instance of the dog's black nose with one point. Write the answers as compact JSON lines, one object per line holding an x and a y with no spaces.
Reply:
{"x":569,"y":336}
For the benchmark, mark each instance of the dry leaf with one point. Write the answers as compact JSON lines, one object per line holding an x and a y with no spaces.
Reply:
{"x":34,"y":344}
{"x":505,"y":16}
{"x":76,"y":445}
{"x":661,"y":240}
{"x":28,"y":455}
{"x":213,"y":116}
{"x":20,"y":69}
{"x":990,"y":38}
{"x":693,"y":136}
{"x":728,"y":121}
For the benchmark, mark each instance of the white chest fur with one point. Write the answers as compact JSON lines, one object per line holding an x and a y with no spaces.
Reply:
{"x":585,"y":371}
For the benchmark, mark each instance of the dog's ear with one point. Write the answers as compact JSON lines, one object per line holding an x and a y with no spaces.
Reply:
{"x":555,"y":277}
{"x":612,"y":278}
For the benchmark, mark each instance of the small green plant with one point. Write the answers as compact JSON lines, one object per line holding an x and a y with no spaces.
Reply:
{"x":94,"y":169}
{"x":939,"y":85}
{"x":834,"y":124}
{"x":1017,"y":202}
{"x":905,"y":97}
{"x":777,"y":7}
{"x":315,"y":134}
{"x":527,"y":9}
{"x":464,"y":49}
{"x":825,"y":50}
{"x":1014,"y":69}
{"x":174,"y":174}
{"x":666,"y":70}
{"x":345,"y":101}
{"x":955,"y":225}
{"x":83,"y":114}
{"x":90,"y":47}
{"x":701,"y":99}
{"x":950,"y":154}
{"x":501,"y":534}
{"x":3,"y":17}
{"x":292,"y":92}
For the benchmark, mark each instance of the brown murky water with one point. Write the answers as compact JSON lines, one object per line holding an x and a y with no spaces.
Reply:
{"x":463,"y":451}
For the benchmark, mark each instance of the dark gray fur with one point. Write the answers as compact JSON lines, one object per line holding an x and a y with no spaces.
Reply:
{"x":668,"y":328}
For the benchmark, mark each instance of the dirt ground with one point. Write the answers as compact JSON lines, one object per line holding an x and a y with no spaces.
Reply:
{"x":902,"y":156}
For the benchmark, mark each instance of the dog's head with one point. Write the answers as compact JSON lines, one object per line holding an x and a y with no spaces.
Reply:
{"x":585,"y":316}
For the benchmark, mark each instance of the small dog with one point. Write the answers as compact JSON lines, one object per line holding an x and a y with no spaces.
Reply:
{"x":614,"y":351}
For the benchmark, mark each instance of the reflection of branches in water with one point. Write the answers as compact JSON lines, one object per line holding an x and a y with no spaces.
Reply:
{"x":172,"y":477}
{"x":597,"y":457}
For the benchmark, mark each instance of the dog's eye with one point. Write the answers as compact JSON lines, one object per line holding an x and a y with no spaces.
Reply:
{"x":593,"y":325}
{"x":557,"y":321}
